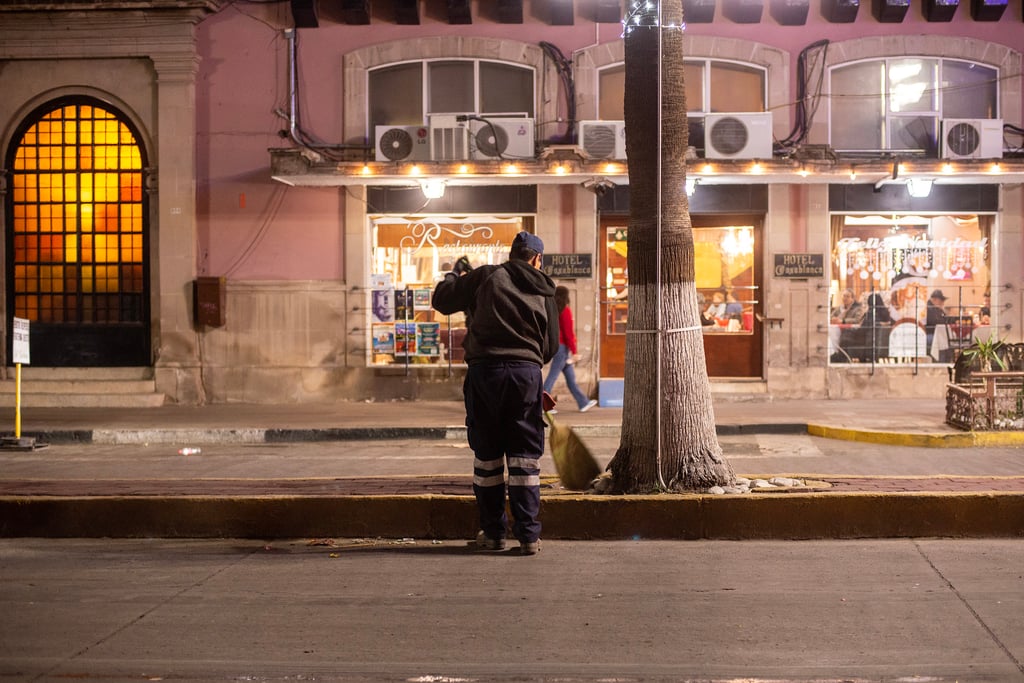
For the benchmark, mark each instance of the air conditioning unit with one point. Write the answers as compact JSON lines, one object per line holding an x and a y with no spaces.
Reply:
{"x":603,"y":139}
{"x":501,"y":138}
{"x":972,"y":138}
{"x":449,"y":137}
{"x":401,"y":143}
{"x":738,"y":136}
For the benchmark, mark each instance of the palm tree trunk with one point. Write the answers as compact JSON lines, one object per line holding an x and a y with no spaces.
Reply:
{"x":666,"y":378}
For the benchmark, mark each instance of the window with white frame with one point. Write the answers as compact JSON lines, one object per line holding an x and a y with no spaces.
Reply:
{"x":712,"y":86}
{"x":897,"y":104}
{"x":408,"y":92}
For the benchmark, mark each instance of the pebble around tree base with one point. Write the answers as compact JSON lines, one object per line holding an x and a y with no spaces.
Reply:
{"x":603,"y":484}
{"x":744,"y":485}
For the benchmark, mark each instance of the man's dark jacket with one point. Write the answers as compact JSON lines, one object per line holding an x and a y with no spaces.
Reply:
{"x":510,"y":312}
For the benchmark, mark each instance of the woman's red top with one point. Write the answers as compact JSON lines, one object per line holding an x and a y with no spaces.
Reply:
{"x":566,"y":331}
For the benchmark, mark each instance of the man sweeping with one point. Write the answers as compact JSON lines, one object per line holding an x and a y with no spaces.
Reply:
{"x":512,"y":332}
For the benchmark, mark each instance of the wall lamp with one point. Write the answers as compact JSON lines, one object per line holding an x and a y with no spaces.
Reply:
{"x":433,"y":188}
{"x":598,"y":186}
{"x":919,"y":187}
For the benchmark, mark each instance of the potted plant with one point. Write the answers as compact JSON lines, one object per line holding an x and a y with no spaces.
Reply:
{"x":985,"y":354}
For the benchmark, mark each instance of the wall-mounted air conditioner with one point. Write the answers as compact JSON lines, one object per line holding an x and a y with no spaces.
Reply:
{"x":501,"y":138}
{"x":401,"y":143}
{"x":449,"y":137}
{"x":603,"y":139}
{"x":972,"y":138}
{"x":738,"y":136}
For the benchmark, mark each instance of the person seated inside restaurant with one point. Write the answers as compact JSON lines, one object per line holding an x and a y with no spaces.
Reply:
{"x":870,"y":339}
{"x":701,"y":304}
{"x":733,"y":308}
{"x":716,"y":309}
{"x":849,"y":311}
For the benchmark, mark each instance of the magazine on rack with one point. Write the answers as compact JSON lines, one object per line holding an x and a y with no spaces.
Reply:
{"x":403,"y":305}
{"x":428,"y":339}
{"x":405,"y":339}
{"x":421,"y":299}
{"x":383,"y":338}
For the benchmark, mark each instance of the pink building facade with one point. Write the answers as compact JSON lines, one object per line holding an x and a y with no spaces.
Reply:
{"x":238,"y":208}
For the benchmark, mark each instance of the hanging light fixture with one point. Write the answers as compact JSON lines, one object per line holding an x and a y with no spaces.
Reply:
{"x":919,"y":187}
{"x":433,"y":188}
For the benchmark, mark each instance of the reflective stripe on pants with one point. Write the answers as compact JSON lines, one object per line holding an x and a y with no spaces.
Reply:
{"x":504,"y":420}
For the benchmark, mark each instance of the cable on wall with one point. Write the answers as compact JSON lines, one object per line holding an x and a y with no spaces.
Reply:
{"x":806,"y":102}
{"x":564,"y":67}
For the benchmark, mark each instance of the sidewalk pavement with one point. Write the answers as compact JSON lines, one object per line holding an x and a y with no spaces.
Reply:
{"x":266,"y":504}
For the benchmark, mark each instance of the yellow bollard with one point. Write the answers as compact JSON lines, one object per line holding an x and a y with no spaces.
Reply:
{"x":17,"y":401}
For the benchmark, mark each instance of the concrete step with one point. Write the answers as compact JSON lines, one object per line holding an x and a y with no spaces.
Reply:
{"x":82,"y":388}
{"x":610,"y":390}
{"x":79,"y":386}
{"x":739,"y":389}
{"x":94,"y":400}
{"x":92,"y":374}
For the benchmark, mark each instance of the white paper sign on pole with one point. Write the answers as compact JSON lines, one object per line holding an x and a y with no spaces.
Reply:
{"x":19,"y":341}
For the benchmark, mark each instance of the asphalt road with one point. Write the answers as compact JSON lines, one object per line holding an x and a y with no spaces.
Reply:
{"x":749,"y":454}
{"x":422,"y":611}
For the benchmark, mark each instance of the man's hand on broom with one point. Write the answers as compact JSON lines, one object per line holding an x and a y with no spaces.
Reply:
{"x":547,"y":401}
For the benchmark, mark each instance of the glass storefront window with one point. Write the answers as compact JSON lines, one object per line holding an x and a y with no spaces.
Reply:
{"x":724,"y":271}
{"x":724,"y":276}
{"x":616,"y":282}
{"x":410,"y":255}
{"x":908,"y":288}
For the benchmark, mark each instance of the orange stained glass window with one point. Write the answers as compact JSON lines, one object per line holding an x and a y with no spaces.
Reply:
{"x":78,"y":245}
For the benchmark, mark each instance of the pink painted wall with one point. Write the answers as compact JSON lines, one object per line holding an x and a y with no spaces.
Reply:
{"x":251,"y":227}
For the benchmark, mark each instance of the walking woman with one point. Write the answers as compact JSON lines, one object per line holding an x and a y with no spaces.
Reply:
{"x":565,"y":357}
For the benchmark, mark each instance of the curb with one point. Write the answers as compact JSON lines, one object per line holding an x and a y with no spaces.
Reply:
{"x":796,"y":516}
{"x":324,"y":434}
{"x":261,"y":435}
{"x":920,"y":440}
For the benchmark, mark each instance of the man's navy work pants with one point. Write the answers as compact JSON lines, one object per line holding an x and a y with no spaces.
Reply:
{"x":504,"y":420}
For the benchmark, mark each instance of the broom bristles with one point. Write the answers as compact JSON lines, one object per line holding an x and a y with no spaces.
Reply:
{"x":574,"y":462}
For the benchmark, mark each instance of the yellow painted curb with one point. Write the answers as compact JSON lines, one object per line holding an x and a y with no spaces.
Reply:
{"x":998,"y":438}
{"x":924,"y":440}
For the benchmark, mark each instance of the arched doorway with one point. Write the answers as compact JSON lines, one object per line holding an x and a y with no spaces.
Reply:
{"x":77,"y":235}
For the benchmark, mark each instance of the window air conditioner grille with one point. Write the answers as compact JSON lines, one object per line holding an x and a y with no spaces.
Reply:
{"x":972,"y":138}
{"x":600,"y":141}
{"x":603,"y":139}
{"x":729,"y":135}
{"x":491,"y":141}
{"x":963,"y":139}
{"x":501,"y":138}
{"x":396,"y":144}
{"x":401,"y":143}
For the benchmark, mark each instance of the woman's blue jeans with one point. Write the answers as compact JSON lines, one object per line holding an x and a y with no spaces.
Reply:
{"x":559,"y":366}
